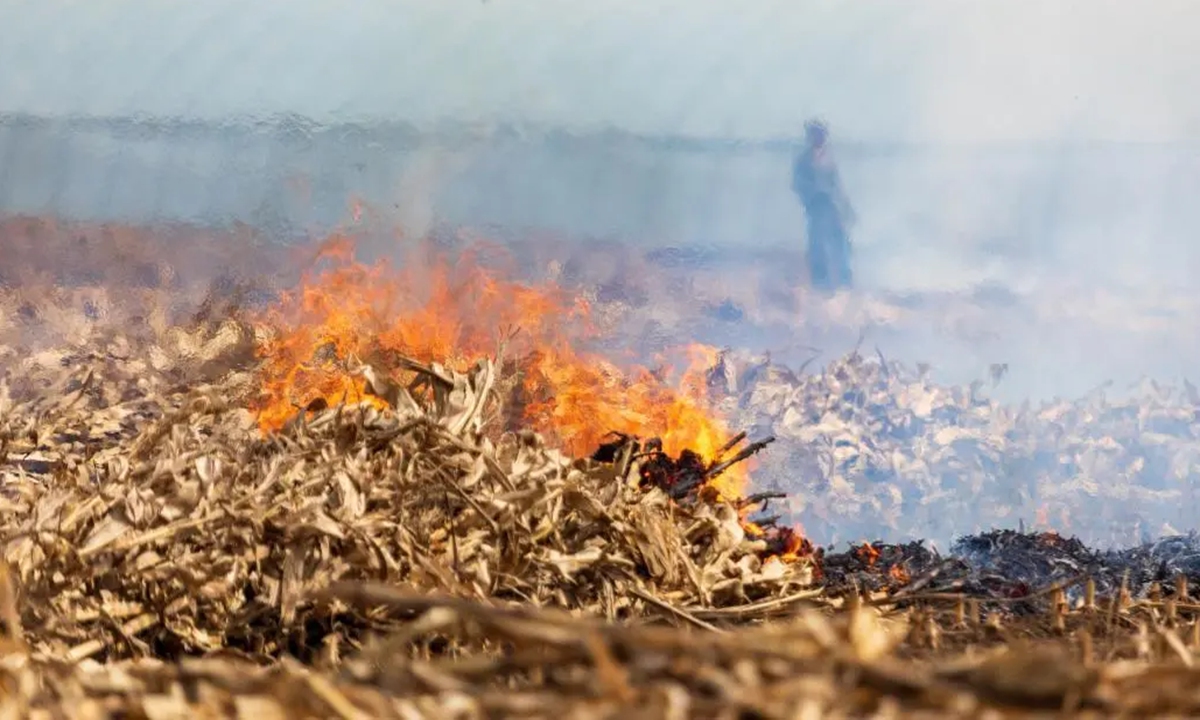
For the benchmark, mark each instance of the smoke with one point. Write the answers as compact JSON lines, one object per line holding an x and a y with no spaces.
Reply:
{"x":931,"y":71}
{"x":1074,"y":71}
{"x":422,"y":181}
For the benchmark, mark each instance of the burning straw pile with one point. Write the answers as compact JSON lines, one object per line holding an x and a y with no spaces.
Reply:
{"x":148,"y":516}
{"x":395,"y":555}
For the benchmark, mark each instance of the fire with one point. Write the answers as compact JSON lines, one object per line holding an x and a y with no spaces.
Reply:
{"x":455,"y":313}
{"x":1042,"y":519}
{"x":790,"y":544}
{"x":867,"y":554}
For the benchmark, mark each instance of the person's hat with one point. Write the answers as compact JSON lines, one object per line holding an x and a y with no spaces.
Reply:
{"x":816,"y":129}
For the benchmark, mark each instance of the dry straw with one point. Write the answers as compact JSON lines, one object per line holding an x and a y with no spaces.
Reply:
{"x":162,"y":559}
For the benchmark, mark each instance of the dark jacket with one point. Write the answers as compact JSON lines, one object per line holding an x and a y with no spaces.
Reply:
{"x":816,"y":181}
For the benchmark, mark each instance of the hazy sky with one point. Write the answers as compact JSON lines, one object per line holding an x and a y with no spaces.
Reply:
{"x":957,"y":70}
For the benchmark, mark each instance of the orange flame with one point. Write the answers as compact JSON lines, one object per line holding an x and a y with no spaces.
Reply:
{"x":455,"y":313}
{"x":867,"y":554}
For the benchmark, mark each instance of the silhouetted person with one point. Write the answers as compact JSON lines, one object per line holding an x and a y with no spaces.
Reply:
{"x":816,"y":181}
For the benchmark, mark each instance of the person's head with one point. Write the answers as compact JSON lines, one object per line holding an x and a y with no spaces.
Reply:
{"x":816,"y":133}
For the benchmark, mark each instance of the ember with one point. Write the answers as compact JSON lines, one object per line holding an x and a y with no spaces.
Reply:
{"x":788,"y":544}
{"x":875,"y":566}
{"x":867,"y":554}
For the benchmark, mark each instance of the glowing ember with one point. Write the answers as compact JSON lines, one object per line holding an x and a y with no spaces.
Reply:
{"x":867,"y":554}
{"x":788,"y":544}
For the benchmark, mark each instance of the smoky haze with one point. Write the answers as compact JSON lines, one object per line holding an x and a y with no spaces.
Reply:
{"x":929,"y":71}
{"x":1022,"y":171}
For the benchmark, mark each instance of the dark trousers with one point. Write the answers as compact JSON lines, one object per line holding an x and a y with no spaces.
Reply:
{"x":828,"y":252}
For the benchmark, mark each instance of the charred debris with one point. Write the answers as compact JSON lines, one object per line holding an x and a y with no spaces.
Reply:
{"x":1006,"y":569}
{"x":686,"y":479}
